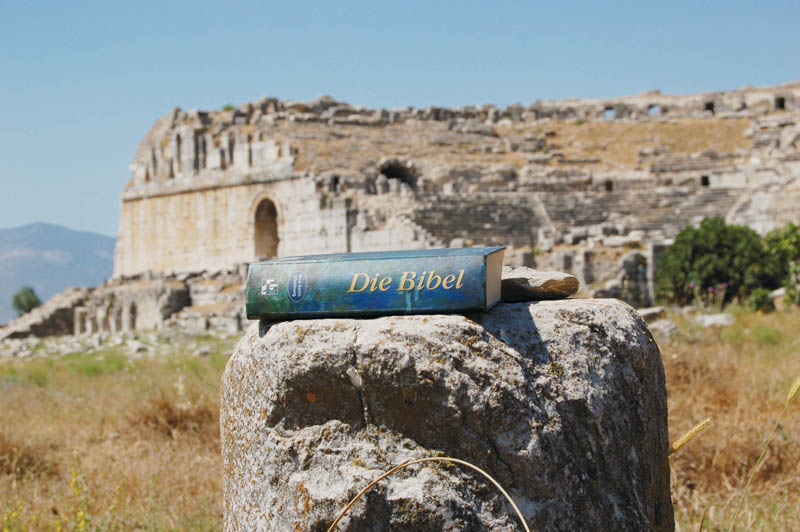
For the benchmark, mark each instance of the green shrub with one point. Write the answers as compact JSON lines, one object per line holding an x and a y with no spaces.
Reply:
{"x":760,"y":300}
{"x":714,"y":261}
{"x":766,"y":335}
{"x":792,"y":283}
{"x":783,"y":248}
{"x":39,"y":376}
{"x":732,"y":335}
{"x":93,"y":366}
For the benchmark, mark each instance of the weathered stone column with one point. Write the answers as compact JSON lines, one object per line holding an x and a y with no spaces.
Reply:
{"x":79,"y":325}
{"x":563,"y":402}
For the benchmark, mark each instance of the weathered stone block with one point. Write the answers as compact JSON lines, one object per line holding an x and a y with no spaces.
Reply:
{"x":563,"y":402}
{"x":527,"y":284}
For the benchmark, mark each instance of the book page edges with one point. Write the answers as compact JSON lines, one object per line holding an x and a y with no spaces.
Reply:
{"x":494,"y":273}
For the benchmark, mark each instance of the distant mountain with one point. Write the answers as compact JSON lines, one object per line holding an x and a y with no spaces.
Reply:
{"x":50,"y":258}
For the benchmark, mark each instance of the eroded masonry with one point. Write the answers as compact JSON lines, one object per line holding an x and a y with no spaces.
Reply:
{"x":593,"y":187}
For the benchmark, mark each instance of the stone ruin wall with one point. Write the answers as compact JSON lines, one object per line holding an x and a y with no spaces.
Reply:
{"x":213,"y":228}
{"x":345,"y":178}
{"x":593,"y":187}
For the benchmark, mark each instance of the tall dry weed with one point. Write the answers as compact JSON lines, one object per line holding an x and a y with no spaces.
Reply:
{"x":792,"y":392}
{"x":20,"y":458}
{"x":741,"y":382}
{"x":166,"y":415}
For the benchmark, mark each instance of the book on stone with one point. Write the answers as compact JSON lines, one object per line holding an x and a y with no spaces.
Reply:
{"x":375,"y":283}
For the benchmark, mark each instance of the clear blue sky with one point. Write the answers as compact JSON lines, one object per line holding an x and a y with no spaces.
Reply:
{"x":81,"y":82}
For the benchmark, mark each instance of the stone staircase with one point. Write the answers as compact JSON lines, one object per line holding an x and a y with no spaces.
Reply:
{"x":664,"y":210}
{"x":423,"y":234}
{"x":481,"y":219}
{"x":513,"y":219}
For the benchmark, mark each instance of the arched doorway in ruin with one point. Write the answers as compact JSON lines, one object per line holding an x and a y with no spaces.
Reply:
{"x":400,"y":170}
{"x":116,"y":319}
{"x":132,"y":315}
{"x":266,"y":229}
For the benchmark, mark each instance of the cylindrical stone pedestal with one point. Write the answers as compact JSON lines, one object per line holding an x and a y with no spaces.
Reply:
{"x":563,"y":402}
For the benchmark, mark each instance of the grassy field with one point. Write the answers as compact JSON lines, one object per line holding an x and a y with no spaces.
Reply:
{"x":104,"y":442}
{"x":740,"y":377}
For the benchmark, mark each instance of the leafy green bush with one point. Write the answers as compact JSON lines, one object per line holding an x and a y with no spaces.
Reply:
{"x":792,"y":283}
{"x":111,"y":361}
{"x":783,"y":248}
{"x":760,"y":300}
{"x":713,"y":260}
{"x":25,"y":300}
{"x":766,"y":335}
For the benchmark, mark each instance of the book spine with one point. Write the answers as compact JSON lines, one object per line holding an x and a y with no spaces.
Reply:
{"x":366,"y":287}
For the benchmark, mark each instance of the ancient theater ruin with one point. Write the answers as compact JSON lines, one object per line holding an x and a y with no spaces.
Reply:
{"x":593,"y":187}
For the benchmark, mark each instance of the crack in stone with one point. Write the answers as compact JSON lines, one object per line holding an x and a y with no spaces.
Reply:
{"x":361,"y":395}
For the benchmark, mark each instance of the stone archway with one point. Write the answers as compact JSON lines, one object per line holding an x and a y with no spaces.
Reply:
{"x":115,"y":319}
{"x":132,"y":316}
{"x":402,"y":171}
{"x":266,"y":230}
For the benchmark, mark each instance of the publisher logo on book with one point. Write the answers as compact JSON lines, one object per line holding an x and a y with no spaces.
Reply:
{"x":269,"y":287}
{"x":297,"y":286}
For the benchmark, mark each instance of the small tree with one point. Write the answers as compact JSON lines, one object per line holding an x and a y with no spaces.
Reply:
{"x":25,"y":300}
{"x":713,"y":258}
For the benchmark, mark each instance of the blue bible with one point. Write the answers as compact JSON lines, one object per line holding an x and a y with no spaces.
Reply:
{"x":375,"y":283}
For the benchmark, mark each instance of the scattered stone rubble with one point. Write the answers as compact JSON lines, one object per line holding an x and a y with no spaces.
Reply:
{"x":649,"y":315}
{"x":526,"y":284}
{"x":714,"y":320}
{"x":664,"y":330}
{"x":193,"y":303}
{"x":133,"y":345}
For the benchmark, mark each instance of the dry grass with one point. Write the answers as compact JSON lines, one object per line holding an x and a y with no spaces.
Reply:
{"x":614,"y":143}
{"x":175,"y":419}
{"x":134,"y":445}
{"x":617,"y":143}
{"x":20,"y":459}
{"x":740,"y":377}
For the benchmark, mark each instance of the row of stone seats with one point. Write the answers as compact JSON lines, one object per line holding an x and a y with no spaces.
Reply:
{"x":503,"y":219}
{"x":667,"y":209}
{"x":480,"y":219}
